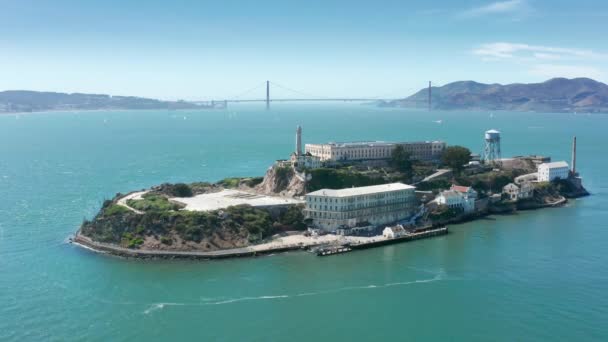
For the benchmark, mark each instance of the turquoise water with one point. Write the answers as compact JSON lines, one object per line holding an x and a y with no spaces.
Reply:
{"x":532,"y":276}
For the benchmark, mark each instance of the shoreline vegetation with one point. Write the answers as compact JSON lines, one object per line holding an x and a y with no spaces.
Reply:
{"x":158,"y":222}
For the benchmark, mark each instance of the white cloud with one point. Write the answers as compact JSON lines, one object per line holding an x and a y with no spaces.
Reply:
{"x":545,"y":61}
{"x":499,"y":7}
{"x":525,"y":52}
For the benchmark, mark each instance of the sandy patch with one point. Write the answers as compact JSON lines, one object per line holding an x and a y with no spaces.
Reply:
{"x":229,"y":197}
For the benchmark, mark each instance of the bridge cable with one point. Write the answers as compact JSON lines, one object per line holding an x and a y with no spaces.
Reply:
{"x":263,"y":84}
{"x":298,"y":91}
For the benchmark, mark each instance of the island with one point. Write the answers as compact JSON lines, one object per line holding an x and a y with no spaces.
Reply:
{"x":331,"y":198}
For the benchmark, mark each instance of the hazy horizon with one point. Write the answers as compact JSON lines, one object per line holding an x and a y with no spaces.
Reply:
{"x":208,"y":50}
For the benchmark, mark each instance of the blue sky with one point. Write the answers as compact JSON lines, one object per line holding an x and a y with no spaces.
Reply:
{"x":218,"y":49}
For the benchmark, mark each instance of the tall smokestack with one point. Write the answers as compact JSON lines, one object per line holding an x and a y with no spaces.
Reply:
{"x":299,"y":140}
{"x":429,"y":96}
{"x":574,"y":156}
{"x":267,"y":94}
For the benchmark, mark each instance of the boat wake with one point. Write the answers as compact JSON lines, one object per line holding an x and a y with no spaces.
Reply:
{"x":223,"y":301}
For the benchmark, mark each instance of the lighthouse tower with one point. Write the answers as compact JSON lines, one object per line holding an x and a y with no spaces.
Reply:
{"x":299,"y":140}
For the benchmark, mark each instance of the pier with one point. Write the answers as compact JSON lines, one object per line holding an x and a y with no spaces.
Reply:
{"x":345,"y":248}
{"x":405,"y":238}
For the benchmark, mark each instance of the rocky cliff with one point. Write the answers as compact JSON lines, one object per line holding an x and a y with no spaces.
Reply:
{"x":284,"y":181}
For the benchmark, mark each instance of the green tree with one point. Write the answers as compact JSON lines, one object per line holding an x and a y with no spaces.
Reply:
{"x":401,"y":160}
{"x":456,"y":157}
{"x":181,"y":190}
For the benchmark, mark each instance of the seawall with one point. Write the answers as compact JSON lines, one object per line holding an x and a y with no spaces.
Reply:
{"x":112,"y":249}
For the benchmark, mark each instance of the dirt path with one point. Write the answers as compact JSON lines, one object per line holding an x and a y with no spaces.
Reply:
{"x":133,"y":195}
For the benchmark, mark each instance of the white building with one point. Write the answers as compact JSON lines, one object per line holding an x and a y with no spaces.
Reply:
{"x":548,"y":172}
{"x":458,"y":197}
{"x":511,"y":191}
{"x":394,"y":232}
{"x":305,"y":161}
{"x":375,"y":150}
{"x":515,"y":192}
{"x":369,"y":205}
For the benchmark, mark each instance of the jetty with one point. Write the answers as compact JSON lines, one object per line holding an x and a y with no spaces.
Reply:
{"x":408,"y":236}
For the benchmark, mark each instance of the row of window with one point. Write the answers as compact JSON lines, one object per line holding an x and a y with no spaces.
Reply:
{"x":352,"y":199}
{"x":356,"y":206}
{"x":346,"y":216}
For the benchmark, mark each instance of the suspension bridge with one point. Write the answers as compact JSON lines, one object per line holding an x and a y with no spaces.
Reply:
{"x":298,"y":96}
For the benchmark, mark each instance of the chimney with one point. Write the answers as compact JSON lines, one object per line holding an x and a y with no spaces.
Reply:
{"x":574,"y":156}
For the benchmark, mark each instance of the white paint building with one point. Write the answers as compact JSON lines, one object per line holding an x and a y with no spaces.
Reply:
{"x":369,"y":205}
{"x":459,"y":198}
{"x":374,"y":150}
{"x":548,"y":172}
{"x":307,"y":161}
{"x":393,"y":232}
{"x":515,"y":192}
{"x":511,"y":191}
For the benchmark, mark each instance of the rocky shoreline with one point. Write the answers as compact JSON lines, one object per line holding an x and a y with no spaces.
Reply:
{"x":260,"y":250}
{"x":111,"y":249}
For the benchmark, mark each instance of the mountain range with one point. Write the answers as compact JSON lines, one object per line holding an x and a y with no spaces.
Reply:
{"x":554,"y":95}
{"x":34,"y":101}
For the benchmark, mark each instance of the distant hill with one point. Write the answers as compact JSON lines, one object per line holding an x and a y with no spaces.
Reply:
{"x":554,"y":95}
{"x":33,"y":101}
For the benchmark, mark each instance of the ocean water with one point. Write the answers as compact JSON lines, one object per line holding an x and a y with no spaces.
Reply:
{"x":538,"y":275}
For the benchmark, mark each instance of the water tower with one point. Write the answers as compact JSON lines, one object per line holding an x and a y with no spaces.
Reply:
{"x":491,"y":150}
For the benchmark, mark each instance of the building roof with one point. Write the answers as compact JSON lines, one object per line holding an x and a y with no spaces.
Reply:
{"x":450,"y":193}
{"x":554,"y":164}
{"x":360,"y":143}
{"x":396,"y":229}
{"x":363,"y":190}
{"x":510,"y":186}
{"x":378,"y":143}
{"x":460,"y":188}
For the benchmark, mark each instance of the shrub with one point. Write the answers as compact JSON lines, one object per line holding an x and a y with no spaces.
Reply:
{"x":439,"y":184}
{"x":166,"y":241}
{"x":115,"y":209}
{"x":131,"y":241}
{"x":153,"y":202}
{"x":136,"y":242}
{"x":251,"y":182}
{"x":230,"y":182}
{"x":293,"y":218}
{"x":339,"y":179}
{"x":181,"y":190}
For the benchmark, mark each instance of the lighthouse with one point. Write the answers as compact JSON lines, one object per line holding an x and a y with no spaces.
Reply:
{"x":299,"y":140}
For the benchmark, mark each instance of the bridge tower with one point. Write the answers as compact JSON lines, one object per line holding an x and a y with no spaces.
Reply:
{"x":429,"y":96}
{"x":267,"y":95}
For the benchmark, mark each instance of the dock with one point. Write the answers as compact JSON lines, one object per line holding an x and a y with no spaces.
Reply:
{"x":405,"y":238}
{"x":345,"y":248}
